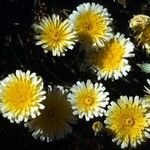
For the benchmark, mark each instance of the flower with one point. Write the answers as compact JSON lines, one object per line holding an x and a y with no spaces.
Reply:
{"x":55,"y":35}
{"x":92,"y":24}
{"x":88,"y":99}
{"x":110,"y":61}
{"x":138,"y":22}
{"x":129,"y":119}
{"x":53,"y":123}
{"x":97,"y":127}
{"x":144,"y":38}
{"x":21,"y":95}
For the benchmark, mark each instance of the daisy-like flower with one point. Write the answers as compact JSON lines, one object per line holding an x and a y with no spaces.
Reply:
{"x":55,"y":35}
{"x":144,"y":38}
{"x":92,"y":24}
{"x":88,"y":99}
{"x":54,"y":121}
{"x":129,"y":120}
{"x":21,"y":95}
{"x":110,"y":61}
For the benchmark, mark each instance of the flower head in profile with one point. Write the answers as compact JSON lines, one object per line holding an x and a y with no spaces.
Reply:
{"x":54,"y":121}
{"x":92,"y":24}
{"x":111,"y":61}
{"x":88,"y":99}
{"x":21,"y":95}
{"x":147,"y":90}
{"x":55,"y":35}
{"x":129,"y":120}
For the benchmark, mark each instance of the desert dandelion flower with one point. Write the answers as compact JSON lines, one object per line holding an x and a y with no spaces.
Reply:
{"x":21,"y":95}
{"x":54,"y":121}
{"x":88,"y":99}
{"x":129,"y":120}
{"x":110,"y":61}
{"x":55,"y":35}
{"x":92,"y":24}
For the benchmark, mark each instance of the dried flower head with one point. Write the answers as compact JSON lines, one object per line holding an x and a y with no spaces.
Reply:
{"x":139,"y":22}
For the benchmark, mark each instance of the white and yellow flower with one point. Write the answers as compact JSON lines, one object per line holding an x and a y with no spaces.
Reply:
{"x":55,"y":35}
{"x":54,"y":121}
{"x":21,"y":95}
{"x":92,"y":24}
{"x":129,"y":119}
{"x":111,"y":60}
{"x":88,"y":99}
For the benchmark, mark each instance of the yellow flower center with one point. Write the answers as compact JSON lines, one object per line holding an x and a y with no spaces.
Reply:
{"x":52,"y":35}
{"x":20,"y":94}
{"x":108,"y":58}
{"x":89,"y":101}
{"x":55,"y":36}
{"x":90,"y":25}
{"x":86,"y":99}
{"x":129,"y":121}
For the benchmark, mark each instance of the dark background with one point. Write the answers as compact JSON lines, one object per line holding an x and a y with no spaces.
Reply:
{"x":18,"y":51}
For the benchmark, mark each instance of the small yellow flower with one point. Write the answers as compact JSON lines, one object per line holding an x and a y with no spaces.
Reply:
{"x":88,"y":99}
{"x":55,"y":35}
{"x":97,"y":127}
{"x":110,"y":61}
{"x":54,"y":121}
{"x":129,"y":119}
{"x":92,"y":24}
{"x":20,"y":96}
